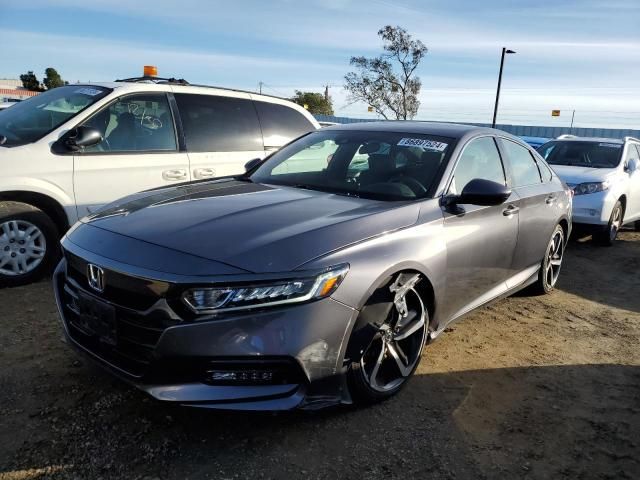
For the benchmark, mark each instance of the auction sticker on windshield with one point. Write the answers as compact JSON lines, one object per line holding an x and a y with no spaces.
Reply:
{"x":89,"y":91}
{"x":423,"y":143}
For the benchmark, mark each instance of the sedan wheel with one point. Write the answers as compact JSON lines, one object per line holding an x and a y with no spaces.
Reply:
{"x":553,"y":262}
{"x":393,"y":353}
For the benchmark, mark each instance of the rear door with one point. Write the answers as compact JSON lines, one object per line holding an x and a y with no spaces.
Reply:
{"x":537,"y":197}
{"x":139,"y":151}
{"x":222,"y":132}
{"x":480,"y":240}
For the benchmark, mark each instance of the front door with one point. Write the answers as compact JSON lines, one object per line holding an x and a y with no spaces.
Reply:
{"x":633,"y":194}
{"x":139,"y":151}
{"x":480,"y":240}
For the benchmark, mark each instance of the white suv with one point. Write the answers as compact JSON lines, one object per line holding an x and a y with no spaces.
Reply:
{"x":72,"y":149}
{"x":604,"y":174}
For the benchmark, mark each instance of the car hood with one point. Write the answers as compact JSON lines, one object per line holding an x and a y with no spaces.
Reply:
{"x":575,"y":175}
{"x":255,"y":227}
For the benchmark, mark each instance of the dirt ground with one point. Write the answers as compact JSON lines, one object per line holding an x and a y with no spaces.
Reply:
{"x":530,"y":387}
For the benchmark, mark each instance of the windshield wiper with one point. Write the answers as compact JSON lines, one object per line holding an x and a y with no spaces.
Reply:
{"x":318,"y":188}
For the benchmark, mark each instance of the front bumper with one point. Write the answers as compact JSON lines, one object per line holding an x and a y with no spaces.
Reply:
{"x":593,"y":209}
{"x":172,"y":359}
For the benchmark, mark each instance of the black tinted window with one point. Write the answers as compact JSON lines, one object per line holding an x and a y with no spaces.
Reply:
{"x":280,"y":123}
{"x":523,"y":166}
{"x":219,"y":124}
{"x":480,"y":159}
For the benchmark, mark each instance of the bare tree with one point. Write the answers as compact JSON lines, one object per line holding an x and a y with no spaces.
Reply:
{"x":392,"y":93}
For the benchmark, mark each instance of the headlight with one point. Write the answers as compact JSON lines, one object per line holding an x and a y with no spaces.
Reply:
{"x":591,"y":187}
{"x":279,"y":292}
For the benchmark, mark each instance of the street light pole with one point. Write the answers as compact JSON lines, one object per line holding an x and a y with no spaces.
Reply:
{"x":495,"y":109}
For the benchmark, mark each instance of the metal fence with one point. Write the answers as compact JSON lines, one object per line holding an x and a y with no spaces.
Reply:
{"x":522,"y":130}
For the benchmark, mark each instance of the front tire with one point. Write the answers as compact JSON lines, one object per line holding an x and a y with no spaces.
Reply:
{"x":608,"y":236}
{"x":398,"y":319}
{"x":28,"y":244}
{"x":551,"y":264}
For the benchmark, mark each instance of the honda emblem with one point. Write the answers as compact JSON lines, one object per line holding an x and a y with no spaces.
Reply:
{"x":95,"y":276}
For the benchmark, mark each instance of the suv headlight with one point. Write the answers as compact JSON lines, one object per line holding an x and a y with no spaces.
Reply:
{"x":264,"y":294}
{"x":590,"y":187}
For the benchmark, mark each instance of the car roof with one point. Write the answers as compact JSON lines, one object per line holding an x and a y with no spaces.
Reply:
{"x":590,"y":139}
{"x":451,"y":130}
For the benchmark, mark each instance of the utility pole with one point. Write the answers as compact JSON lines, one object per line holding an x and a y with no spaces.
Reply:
{"x":495,"y":109}
{"x":260,"y":87}
{"x":326,"y":92}
{"x":573,"y":115}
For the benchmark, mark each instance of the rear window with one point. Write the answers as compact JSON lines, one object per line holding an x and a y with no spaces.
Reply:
{"x":219,"y":124}
{"x":281,"y":124}
{"x":582,"y":154}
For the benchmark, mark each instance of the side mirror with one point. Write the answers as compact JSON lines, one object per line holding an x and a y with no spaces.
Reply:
{"x":251,"y":164}
{"x":632,"y":165}
{"x":483,"y":192}
{"x":84,"y":137}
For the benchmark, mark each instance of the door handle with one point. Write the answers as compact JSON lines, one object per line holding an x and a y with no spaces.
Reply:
{"x":549,"y":200}
{"x":510,"y":210}
{"x":178,"y":174}
{"x":204,"y":173}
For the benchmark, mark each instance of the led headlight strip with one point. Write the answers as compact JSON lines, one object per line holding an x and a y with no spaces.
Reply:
{"x":278,"y":292}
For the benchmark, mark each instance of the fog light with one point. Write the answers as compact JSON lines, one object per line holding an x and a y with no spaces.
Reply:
{"x":241,"y":376}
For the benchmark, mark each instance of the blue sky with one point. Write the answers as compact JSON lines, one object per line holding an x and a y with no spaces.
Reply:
{"x":571,"y":54}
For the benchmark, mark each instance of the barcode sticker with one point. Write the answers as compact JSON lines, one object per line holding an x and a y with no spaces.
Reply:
{"x":423,"y":143}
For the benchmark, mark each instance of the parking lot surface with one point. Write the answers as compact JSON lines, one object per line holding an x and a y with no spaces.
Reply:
{"x":529,"y":387}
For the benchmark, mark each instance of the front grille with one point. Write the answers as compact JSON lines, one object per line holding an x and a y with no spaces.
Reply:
{"x":124,"y":290}
{"x":137,"y":334}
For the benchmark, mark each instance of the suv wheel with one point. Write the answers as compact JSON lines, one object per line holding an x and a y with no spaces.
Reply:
{"x":608,"y":236}
{"x":28,"y":244}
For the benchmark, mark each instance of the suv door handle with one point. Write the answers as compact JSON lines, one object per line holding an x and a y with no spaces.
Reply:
{"x":510,"y":210}
{"x":178,"y":174}
{"x":204,"y":173}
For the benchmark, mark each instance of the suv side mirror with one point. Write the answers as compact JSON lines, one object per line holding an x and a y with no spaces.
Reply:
{"x":483,"y":192}
{"x":251,"y":164}
{"x":632,"y":165}
{"x":84,"y":137}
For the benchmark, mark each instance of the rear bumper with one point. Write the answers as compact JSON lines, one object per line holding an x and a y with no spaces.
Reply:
{"x":302,"y":345}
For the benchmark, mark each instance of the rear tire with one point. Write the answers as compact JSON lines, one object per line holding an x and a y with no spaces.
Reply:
{"x":29,"y":244}
{"x":385,"y":364}
{"x":608,"y":236}
{"x":551,"y":264}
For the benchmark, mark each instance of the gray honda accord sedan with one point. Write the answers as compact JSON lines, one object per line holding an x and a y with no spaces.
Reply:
{"x":318,"y":276}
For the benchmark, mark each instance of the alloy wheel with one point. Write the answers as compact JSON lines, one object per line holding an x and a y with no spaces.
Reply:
{"x":554,"y":258}
{"x":616,"y":221}
{"x":22,"y":247}
{"x":395,"y":350}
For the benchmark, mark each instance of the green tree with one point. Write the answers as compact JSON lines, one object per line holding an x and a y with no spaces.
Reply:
{"x":30,"y":81}
{"x":387,"y":83}
{"x":52,"y":79}
{"x":316,"y":103}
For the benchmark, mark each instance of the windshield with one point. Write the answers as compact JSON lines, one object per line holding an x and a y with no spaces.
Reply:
{"x":32,"y":119}
{"x":582,"y":154}
{"x":380,"y":165}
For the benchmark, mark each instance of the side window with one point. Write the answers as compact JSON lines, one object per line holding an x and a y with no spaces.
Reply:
{"x":546,"y":172}
{"x":480,"y":159}
{"x":219,"y":124}
{"x":281,"y":124}
{"x":632,"y":152}
{"x":523,"y":166}
{"x":135,"y":123}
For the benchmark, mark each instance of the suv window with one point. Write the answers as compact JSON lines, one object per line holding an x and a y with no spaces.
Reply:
{"x":219,"y":124}
{"x":281,"y":124}
{"x":480,"y":159}
{"x":524,"y":168}
{"x":135,"y":123}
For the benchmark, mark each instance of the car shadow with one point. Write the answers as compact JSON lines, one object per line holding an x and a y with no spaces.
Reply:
{"x":577,"y":421}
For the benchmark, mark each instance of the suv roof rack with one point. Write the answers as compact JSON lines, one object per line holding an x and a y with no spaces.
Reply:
{"x":149,"y":79}
{"x":566,"y":135}
{"x":182,"y":81}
